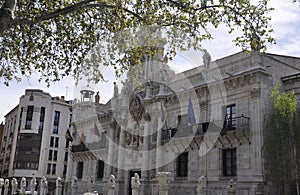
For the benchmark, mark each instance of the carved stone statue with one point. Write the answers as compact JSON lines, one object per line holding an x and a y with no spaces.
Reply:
{"x":32,"y":185}
{"x":135,"y":181}
{"x":231,"y":187}
{"x":44,"y":186}
{"x":23,"y":185}
{"x":135,"y":184}
{"x":206,"y":59}
{"x":14,"y":185}
{"x":111,"y":184}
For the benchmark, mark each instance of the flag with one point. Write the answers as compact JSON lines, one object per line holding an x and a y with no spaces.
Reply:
{"x":190,"y":113}
{"x":163,"y":116}
{"x":81,"y":137}
{"x":96,"y":130}
{"x":68,"y":136}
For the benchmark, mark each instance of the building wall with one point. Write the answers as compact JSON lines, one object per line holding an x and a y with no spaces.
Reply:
{"x":243,"y":80}
{"x":33,"y":133}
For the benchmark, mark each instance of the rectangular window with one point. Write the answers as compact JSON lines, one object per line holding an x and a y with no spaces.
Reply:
{"x":55,"y":155}
{"x":67,"y":144}
{"x":79,"y":171}
{"x":182,"y":165}
{"x":42,"y":117}
{"x":53,"y":169}
{"x":56,"y":122}
{"x":230,"y":117}
{"x":50,"y":154}
{"x":29,"y":115}
{"x":56,"y":142}
{"x":100,"y":169}
{"x":66,"y":157}
{"x":51,"y":141}
{"x":65,"y":170}
{"x":229,"y":164}
{"x":48,"y":168}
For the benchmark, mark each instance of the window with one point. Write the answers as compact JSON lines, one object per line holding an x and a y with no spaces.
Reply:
{"x":53,"y":169}
{"x":56,"y":142}
{"x":56,"y":122}
{"x":42,"y":116}
{"x":100,"y":169}
{"x":51,"y":141}
{"x":66,"y":157}
{"x":56,"y":116}
{"x":55,"y":155}
{"x":229,"y":162}
{"x":31,"y":98}
{"x":182,"y":165}
{"x":65,"y":170}
{"x":48,"y":168}
{"x":67,"y":144}
{"x":50,"y":154}
{"x":79,"y":171}
{"x":55,"y":129}
{"x":29,"y":115}
{"x":230,"y":117}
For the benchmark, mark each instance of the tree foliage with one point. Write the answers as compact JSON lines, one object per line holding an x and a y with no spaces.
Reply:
{"x":54,"y":37}
{"x":282,"y":140}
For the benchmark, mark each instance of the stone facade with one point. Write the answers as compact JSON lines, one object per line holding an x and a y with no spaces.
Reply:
{"x":206,"y":122}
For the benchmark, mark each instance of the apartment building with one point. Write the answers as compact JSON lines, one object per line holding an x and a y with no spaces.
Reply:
{"x":34,"y":141}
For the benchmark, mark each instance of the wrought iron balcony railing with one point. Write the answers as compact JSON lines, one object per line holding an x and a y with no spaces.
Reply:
{"x":240,"y":123}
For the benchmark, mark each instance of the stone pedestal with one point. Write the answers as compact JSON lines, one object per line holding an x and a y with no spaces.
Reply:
{"x":163,"y":182}
{"x":74,"y":185}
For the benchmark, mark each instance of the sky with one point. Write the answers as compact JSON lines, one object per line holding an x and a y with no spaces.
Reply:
{"x":285,"y":22}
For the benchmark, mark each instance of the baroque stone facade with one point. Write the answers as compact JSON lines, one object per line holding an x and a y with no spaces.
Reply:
{"x":204,"y":125}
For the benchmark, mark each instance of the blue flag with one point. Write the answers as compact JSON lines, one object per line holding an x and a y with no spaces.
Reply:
{"x":190,"y":113}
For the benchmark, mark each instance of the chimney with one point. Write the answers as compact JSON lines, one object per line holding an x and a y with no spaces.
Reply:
{"x":62,"y":98}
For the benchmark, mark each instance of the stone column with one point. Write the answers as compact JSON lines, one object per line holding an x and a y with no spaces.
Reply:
{"x":32,"y":185}
{"x":14,"y":185}
{"x":111,"y":147}
{"x":74,"y":185}
{"x":44,"y":186}
{"x":135,"y":184}
{"x":163,"y":182}
{"x":111,"y":185}
{"x":6,"y":186}
{"x":202,"y":186}
{"x":1,"y":185}
{"x":231,"y":188}
{"x":23,"y":185}
{"x":58,"y":186}
{"x":146,"y":155}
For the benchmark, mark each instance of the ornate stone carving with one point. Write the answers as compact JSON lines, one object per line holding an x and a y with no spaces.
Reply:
{"x":136,"y":108}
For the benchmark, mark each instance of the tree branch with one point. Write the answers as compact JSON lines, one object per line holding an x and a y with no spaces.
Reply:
{"x":69,"y":9}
